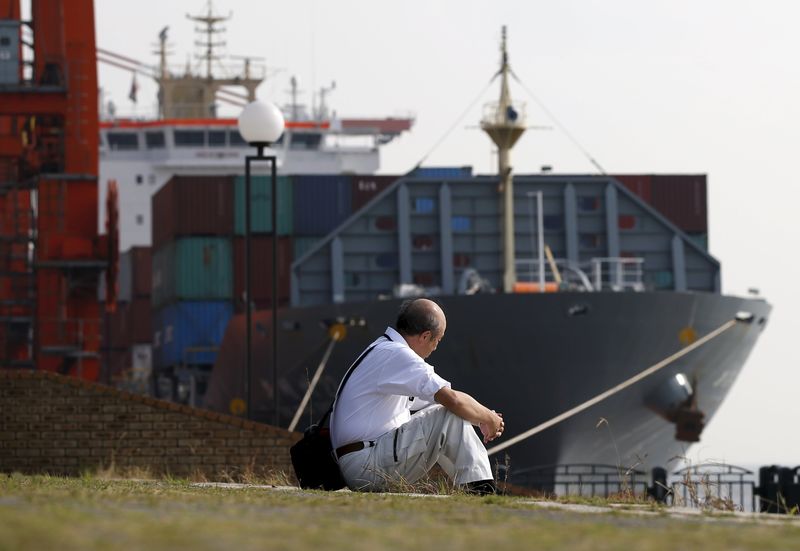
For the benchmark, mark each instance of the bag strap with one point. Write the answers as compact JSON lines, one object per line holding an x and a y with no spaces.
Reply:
{"x":344,"y":380}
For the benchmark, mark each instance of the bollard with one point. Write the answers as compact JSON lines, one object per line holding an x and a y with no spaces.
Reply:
{"x":659,"y":489}
{"x":768,"y":488}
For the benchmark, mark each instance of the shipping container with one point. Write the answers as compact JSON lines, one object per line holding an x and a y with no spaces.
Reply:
{"x":365,"y":188}
{"x":302,"y":244}
{"x":440,"y":172}
{"x":193,"y":268}
{"x":700,"y":239}
{"x":640,"y":184}
{"x":321,"y":203}
{"x":139,"y":320}
{"x":261,"y":271}
{"x":118,"y":333}
{"x":125,"y":278}
{"x":142,"y":271}
{"x":682,"y":199}
{"x":135,"y":274}
{"x":189,"y":332}
{"x":193,"y":205}
{"x":261,"y":205}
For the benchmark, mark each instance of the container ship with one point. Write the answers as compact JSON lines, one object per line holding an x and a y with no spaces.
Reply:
{"x":557,"y":287}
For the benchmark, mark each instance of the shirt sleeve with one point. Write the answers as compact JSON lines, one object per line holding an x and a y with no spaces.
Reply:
{"x":406,"y":374}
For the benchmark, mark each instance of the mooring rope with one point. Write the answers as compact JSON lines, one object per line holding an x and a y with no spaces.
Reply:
{"x":312,"y":385}
{"x":610,"y":392}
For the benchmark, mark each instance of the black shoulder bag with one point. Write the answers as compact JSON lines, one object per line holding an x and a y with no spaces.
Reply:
{"x":312,"y":457}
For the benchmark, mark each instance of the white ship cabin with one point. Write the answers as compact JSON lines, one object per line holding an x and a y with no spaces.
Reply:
{"x":142,"y":155}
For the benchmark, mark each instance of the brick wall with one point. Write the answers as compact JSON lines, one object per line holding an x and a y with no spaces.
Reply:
{"x":65,"y":426}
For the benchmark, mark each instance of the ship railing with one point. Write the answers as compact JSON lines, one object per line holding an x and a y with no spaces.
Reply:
{"x":573,"y":277}
{"x":495,"y":115}
{"x":598,"y":274}
{"x":617,"y":273}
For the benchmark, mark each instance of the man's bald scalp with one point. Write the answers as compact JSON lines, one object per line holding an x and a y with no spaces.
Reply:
{"x":418,"y":315}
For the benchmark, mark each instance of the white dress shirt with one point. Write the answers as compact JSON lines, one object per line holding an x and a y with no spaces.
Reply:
{"x":377,"y":396}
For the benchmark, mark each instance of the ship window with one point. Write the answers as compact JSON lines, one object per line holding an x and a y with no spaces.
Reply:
{"x":123,"y":140}
{"x":139,"y":220}
{"x":386,"y":260}
{"x":460,"y":260}
{"x":236,"y":139}
{"x":190,"y":138}
{"x":139,"y":179}
{"x":626,"y":221}
{"x":460,"y":223}
{"x":385,"y":223}
{"x":553,"y":221}
{"x":422,"y":242}
{"x":151,"y":179}
{"x":216,"y":138}
{"x":588,"y":204}
{"x":306,"y":140}
{"x":424,"y":205}
{"x":154,"y":140}
{"x":590,"y":240}
{"x":663,"y":280}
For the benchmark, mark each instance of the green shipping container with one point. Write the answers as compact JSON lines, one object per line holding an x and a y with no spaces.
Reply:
{"x":303,"y":244}
{"x":261,"y":205}
{"x":193,"y":268}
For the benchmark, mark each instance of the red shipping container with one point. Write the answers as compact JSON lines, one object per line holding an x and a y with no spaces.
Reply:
{"x":193,"y":205}
{"x":682,"y":199}
{"x":118,"y":330}
{"x":365,"y":188}
{"x":140,"y":321}
{"x":142,"y":276}
{"x":261,"y":271}
{"x":640,"y":184}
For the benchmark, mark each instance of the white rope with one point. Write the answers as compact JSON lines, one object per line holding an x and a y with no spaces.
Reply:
{"x":312,"y":385}
{"x":610,"y":392}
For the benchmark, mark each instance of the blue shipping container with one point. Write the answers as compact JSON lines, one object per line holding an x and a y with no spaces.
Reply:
{"x":321,"y":203}
{"x":190,"y":332}
{"x":443,"y":172}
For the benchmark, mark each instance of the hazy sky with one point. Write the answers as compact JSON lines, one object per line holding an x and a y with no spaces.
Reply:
{"x":680,"y":86}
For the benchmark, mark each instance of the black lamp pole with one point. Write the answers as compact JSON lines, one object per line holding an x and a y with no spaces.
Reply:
{"x":247,"y":286}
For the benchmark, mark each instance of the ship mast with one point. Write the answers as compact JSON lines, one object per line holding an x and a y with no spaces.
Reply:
{"x":504,"y":123}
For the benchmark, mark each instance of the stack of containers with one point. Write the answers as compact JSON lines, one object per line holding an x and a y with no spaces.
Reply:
{"x":192,"y":275}
{"x":321,"y":204}
{"x":681,"y":198}
{"x":128,"y":343}
{"x":262,"y":239}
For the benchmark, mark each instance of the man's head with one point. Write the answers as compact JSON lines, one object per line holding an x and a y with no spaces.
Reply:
{"x":422,"y":324}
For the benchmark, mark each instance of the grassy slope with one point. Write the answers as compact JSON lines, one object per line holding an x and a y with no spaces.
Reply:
{"x":90,"y":513}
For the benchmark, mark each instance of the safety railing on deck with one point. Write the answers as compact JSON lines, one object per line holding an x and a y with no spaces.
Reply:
{"x":598,"y":274}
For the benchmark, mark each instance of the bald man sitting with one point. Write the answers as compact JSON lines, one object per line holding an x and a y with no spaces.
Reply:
{"x":376,"y":439}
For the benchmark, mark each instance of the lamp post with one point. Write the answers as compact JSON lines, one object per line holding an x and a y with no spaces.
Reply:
{"x":260,"y":124}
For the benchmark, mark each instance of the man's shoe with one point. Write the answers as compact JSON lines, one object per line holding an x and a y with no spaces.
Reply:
{"x":481,"y":488}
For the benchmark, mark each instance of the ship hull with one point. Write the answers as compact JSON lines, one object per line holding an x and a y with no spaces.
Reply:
{"x":530,"y":357}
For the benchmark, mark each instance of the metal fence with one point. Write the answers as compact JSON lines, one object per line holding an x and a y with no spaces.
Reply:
{"x":709,"y":485}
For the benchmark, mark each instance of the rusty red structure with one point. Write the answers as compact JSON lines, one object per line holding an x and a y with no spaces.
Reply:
{"x":51,"y":256}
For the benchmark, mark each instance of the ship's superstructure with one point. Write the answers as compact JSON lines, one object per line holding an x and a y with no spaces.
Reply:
{"x":188,"y":137}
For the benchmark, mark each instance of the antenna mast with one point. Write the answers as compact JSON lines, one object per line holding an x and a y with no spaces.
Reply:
{"x":504,"y":122}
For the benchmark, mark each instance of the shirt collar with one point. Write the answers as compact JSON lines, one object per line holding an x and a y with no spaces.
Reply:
{"x":395,"y":336}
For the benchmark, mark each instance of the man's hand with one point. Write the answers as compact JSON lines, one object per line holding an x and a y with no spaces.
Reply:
{"x":493,"y":427}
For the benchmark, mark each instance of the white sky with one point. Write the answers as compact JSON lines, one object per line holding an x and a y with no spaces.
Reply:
{"x":673,"y":86}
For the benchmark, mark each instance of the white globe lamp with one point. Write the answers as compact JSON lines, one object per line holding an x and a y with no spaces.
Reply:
{"x":261,"y":123}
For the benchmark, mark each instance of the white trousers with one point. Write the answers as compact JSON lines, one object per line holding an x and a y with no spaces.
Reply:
{"x":406,"y":454}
